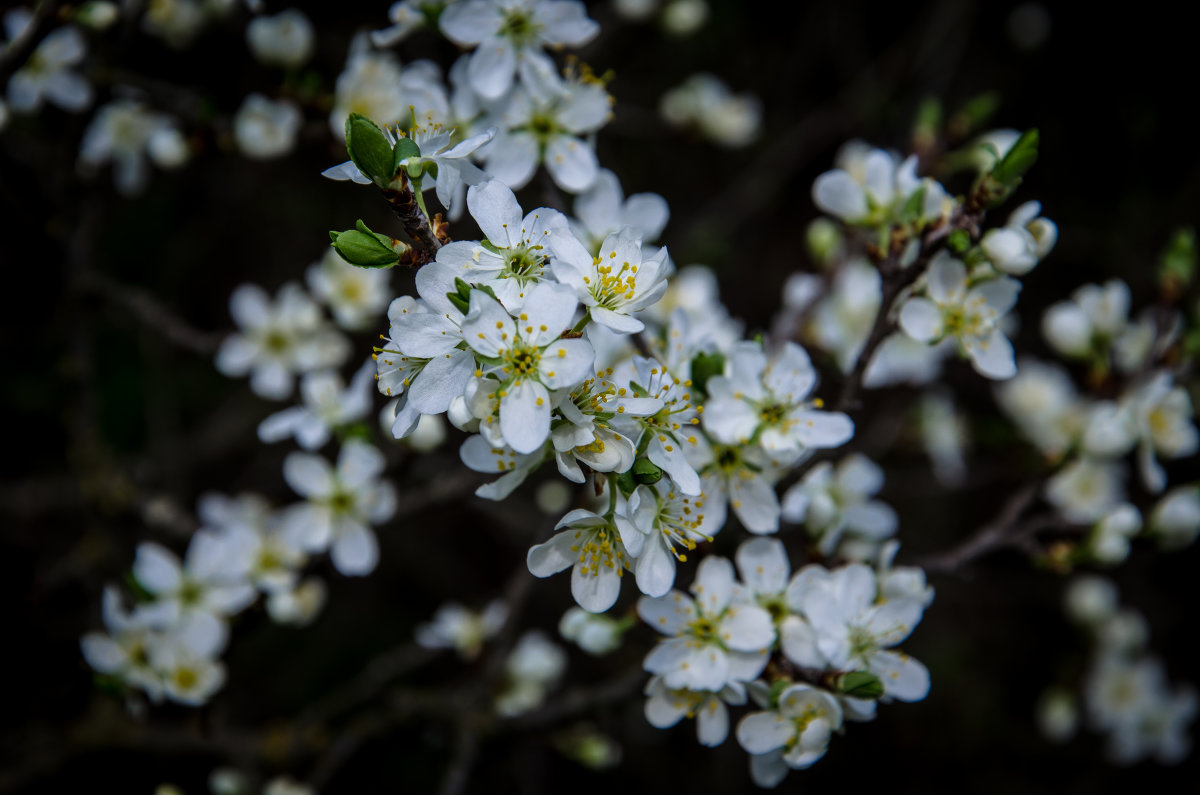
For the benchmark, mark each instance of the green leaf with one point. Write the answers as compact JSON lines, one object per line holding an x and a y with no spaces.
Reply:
{"x":1019,"y":159}
{"x":626,"y":482}
{"x":368,"y":147}
{"x":860,"y":684}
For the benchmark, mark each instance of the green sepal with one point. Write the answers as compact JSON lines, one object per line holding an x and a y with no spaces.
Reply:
{"x":646,"y":471}
{"x":490,"y":246}
{"x":913,"y":207}
{"x":404,"y":148}
{"x":860,"y":684}
{"x":1019,"y":159}
{"x":777,"y":688}
{"x":704,"y":367}
{"x":626,"y":482}
{"x":958,"y":241}
{"x":368,"y":147}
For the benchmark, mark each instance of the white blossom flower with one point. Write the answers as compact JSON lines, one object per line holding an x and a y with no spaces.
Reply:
{"x":1057,"y":715}
{"x":533,"y":668}
{"x":1042,"y":401}
{"x":278,"y":340}
{"x":1175,"y":520}
{"x":594,"y":633}
{"x":768,"y":401}
{"x":528,"y":356}
{"x":595,"y":547}
{"x":711,"y":641}
{"x":284,"y":39}
{"x":355,"y":296}
{"x":1109,"y":540}
{"x":407,"y":16}
{"x":188,"y":678}
{"x":450,"y":160}
{"x":264,"y":128}
{"x":47,"y":74}
{"x":842,"y":321}
{"x":515,"y":254}
{"x":1095,"y":316}
{"x":738,"y":476}
{"x":480,"y":455}
{"x":212,"y":579}
{"x":123,"y":649}
{"x":374,"y":85}
{"x":970,"y":315}
{"x":765,"y":568}
{"x":793,"y":736}
{"x":1162,"y":413}
{"x":585,"y":434}
{"x":839,"y":626}
{"x":125,"y":133}
{"x":327,"y":405}
{"x":665,"y":707}
{"x":898,"y":583}
{"x":836,"y":503}
{"x":1090,"y":599}
{"x":684,"y":17}
{"x":705,"y":103}
{"x":424,"y":358}
{"x":1025,"y":239}
{"x":615,"y":283}
{"x":549,"y":129}
{"x":459,"y":628}
{"x":510,"y":35}
{"x":298,"y":605}
{"x":603,"y":210}
{"x":668,"y":519}
{"x":870,"y":188}
{"x":1086,"y":489}
{"x":669,"y":428}
{"x":343,"y":503}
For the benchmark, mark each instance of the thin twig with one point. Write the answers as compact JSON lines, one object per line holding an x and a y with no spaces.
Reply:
{"x":147,"y":309}
{"x":14,"y":56}
{"x":1000,"y":533}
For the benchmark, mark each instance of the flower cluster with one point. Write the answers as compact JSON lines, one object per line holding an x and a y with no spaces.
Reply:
{"x":1125,"y":693}
{"x":826,"y":634}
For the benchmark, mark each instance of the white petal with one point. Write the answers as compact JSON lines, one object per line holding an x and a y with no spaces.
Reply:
{"x":760,"y":732}
{"x":903,"y":677}
{"x":525,"y":416}
{"x":572,"y":163}
{"x":837,"y":193}
{"x":355,"y":551}
{"x":308,"y":475}
{"x":921,"y":319}
{"x":763,"y":564}
{"x":156,"y":568}
{"x":993,"y":357}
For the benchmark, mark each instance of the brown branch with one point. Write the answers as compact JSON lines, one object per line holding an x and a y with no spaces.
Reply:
{"x":1005,"y":531}
{"x":14,"y":56}
{"x":147,"y":309}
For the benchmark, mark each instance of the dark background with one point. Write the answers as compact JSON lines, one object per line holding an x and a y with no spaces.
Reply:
{"x":107,"y":412}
